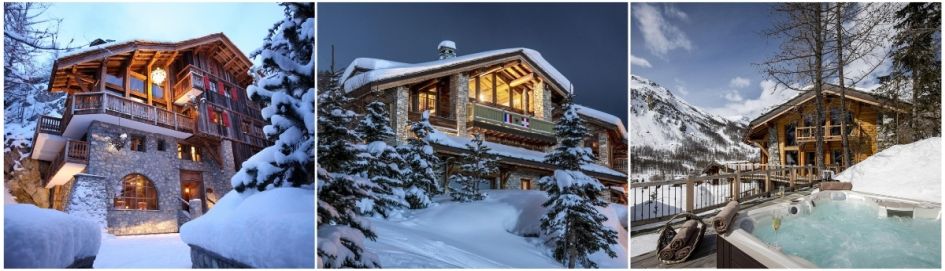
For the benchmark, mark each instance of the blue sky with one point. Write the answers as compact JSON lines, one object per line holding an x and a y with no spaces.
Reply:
{"x":246,"y":24}
{"x":703,"y":52}
{"x":707,"y":53}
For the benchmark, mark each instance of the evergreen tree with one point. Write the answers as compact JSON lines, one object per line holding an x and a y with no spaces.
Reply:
{"x":285,"y":83}
{"x":573,"y":224}
{"x":475,"y":165}
{"x":422,"y":165}
{"x":917,"y":60}
{"x":382,"y":164}
{"x":341,"y":232}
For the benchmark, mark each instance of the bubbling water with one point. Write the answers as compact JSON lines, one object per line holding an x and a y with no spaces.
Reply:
{"x":850,"y":234}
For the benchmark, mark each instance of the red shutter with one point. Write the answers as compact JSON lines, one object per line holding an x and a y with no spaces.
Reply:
{"x":211,"y":116}
{"x":220,"y":87}
{"x":233,"y":93}
{"x":206,"y":82}
{"x":226,"y":119}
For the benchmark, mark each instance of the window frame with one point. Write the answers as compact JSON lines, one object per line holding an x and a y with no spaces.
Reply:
{"x":142,"y":192}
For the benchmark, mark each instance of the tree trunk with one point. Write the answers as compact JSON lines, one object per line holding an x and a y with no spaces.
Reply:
{"x":845,"y":147}
{"x":818,"y":83}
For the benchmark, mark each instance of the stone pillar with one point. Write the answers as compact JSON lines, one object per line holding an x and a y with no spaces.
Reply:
{"x":89,"y":198}
{"x":774,"y":154}
{"x":603,"y":145}
{"x":542,"y":102}
{"x":459,"y":99}
{"x":401,"y":104}
{"x":229,"y":165}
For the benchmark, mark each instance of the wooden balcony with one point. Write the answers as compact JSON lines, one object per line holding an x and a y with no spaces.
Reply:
{"x":808,"y":133}
{"x":83,"y":108}
{"x":189,"y":85}
{"x":434,"y":120}
{"x":73,"y":159}
{"x":507,"y":121}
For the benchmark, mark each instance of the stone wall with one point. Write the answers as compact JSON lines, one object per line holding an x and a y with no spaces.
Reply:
{"x":774,"y":157}
{"x":162,"y":168}
{"x":402,"y":105}
{"x":515,"y":178}
{"x":88,"y":198}
{"x":460,"y":84}
{"x":603,"y":145}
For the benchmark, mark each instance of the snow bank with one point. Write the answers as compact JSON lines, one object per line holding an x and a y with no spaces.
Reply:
{"x":42,"y":238}
{"x":269,"y":229}
{"x":912,"y":171}
{"x":143,"y":251}
{"x":482,"y":234}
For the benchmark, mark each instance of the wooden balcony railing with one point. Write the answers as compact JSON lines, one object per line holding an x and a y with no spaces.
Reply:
{"x":657,"y":201}
{"x":515,"y":121}
{"x":99,"y":103}
{"x":808,"y":133}
{"x":434,"y":120}
{"x":49,"y":125}
{"x":73,"y":152}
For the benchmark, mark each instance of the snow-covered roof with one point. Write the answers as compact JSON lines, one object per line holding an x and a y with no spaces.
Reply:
{"x":601,"y":116}
{"x":511,"y":152}
{"x":447,"y":43}
{"x":386,"y":70}
{"x":366,"y":63}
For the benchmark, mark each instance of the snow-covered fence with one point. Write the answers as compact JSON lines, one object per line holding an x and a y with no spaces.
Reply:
{"x":656,"y":201}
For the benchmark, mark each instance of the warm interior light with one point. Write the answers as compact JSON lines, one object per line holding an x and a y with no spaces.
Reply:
{"x":158,"y":75}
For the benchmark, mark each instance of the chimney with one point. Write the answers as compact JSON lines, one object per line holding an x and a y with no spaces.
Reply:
{"x":447,"y":49}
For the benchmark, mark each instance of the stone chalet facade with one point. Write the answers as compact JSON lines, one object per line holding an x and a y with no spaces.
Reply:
{"x":147,"y":129}
{"x":510,"y":96}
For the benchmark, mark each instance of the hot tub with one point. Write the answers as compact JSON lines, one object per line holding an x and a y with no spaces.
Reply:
{"x":836,"y":229}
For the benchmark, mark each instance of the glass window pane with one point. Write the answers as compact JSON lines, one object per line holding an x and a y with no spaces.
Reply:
{"x":517,"y":100}
{"x":137,"y":85}
{"x":472,"y":87}
{"x":485,"y":88}
{"x":157,"y":91}
{"x":503,"y":97}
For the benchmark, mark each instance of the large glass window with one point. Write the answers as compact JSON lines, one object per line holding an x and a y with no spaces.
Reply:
{"x":790,"y":158}
{"x":503,"y":96}
{"x":157,"y":91}
{"x":486,"y":92}
{"x":789,"y":134}
{"x":518,"y":100}
{"x":188,"y":152}
{"x":137,"y":193}
{"x":426,"y":100}
{"x":137,"y":85}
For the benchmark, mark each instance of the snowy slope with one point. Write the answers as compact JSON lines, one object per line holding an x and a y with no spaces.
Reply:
{"x":481,"y":234}
{"x":663,"y":125}
{"x":912,"y":171}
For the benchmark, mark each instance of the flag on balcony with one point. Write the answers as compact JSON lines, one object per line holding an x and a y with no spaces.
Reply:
{"x":508,"y":118}
{"x":525,"y":122}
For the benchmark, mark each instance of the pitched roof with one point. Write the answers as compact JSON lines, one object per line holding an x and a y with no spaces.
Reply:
{"x":377,"y":71}
{"x":603,"y":117}
{"x":829,"y":89}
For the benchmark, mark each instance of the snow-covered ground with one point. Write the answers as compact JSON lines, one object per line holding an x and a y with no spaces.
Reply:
{"x":269,"y":229}
{"x":643,"y":243}
{"x":912,"y":171}
{"x":143,"y":251}
{"x":481,"y":234}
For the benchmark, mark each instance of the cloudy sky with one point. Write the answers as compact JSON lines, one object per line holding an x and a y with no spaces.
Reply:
{"x":246,"y":24}
{"x":707,"y":53}
{"x":585,"y":42}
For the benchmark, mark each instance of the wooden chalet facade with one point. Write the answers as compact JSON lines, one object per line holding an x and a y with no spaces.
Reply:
{"x":512,"y":97}
{"x":786,"y":135}
{"x":147,"y":126}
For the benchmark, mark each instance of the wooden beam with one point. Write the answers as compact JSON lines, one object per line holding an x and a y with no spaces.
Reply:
{"x":127,"y":73}
{"x":522,"y":80}
{"x":102,"y":71}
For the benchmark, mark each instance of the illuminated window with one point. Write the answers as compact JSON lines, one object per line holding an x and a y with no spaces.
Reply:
{"x":427,"y":100}
{"x":485,"y":88}
{"x":502,"y":95}
{"x":188,"y":152}
{"x":137,"y":193}
{"x":518,"y":100}
{"x":137,"y":143}
{"x":529,"y":99}
{"x":526,"y":184}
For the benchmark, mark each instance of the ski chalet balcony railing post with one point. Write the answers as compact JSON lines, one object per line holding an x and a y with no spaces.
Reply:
{"x":107,"y":103}
{"x":656,"y":201}
{"x":808,"y":133}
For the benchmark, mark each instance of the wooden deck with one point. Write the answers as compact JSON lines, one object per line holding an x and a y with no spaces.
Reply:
{"x":705,"y":254}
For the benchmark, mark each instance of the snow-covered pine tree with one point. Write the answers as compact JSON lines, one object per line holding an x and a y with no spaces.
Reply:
{"x":382,"y":164}
{"x":572,"y":223}
{"x":285,"y":83}
{"x":422,"y":164}
{"x":475,"y":165}
{"x":341,"y":232}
